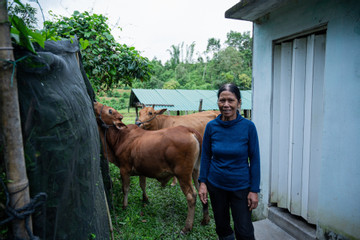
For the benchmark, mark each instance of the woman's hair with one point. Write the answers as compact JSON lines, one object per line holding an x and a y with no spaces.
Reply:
{"x":231,"y":88}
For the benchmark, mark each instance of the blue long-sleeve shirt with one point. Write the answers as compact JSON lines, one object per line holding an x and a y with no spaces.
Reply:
{"x":230,"y":157}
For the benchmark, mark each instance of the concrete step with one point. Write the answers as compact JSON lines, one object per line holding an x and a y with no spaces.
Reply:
{"x":267,"y":230}
{"x":293,"y":225}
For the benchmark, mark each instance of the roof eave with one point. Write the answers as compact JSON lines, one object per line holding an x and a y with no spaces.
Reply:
{"x":251,"y":10}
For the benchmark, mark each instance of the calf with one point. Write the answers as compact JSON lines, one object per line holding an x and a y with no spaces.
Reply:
{"x":158,"y":154}
{"x":151,"y":119}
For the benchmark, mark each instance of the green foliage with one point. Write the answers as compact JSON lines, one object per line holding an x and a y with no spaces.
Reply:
{"x":172,"y":84}
{"x":243,"y":43}
{"x":227,"y":66}
{"x":213,"y":45}
{"x":26,"y":12}
{"x":230,"y":64}
{"x":162,"y":218}
{"x":107,"y":63}
{"x":23,"y":20}
{"x":174,"y":55}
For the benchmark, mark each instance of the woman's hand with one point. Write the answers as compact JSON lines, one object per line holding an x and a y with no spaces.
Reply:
{"x":203,"y":193}
{"x":252,"y":200}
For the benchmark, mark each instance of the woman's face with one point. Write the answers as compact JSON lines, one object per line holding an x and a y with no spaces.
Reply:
{"x":228,"y":104}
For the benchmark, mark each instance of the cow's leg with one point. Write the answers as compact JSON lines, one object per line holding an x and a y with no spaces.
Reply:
{"x":125,"y":187}
{"x":206,"y":217}
{"x":190,"y":194}
{"x":195,"y":177}
{"x":143,"y":188}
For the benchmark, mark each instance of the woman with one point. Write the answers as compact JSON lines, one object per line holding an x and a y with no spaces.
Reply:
{"x":230,"y":167}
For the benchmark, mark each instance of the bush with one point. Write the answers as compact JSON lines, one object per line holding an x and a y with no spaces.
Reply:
{"x":109,"y":93}
{"x":116,"y":94}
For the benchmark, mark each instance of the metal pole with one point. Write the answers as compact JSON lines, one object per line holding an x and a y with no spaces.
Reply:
{"x":11,"y":126}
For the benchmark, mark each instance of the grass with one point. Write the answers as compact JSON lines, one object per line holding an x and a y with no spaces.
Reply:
{"x":162,"y":218}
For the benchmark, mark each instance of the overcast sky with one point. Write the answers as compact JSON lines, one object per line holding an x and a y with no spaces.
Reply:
{"x":152,"y":26}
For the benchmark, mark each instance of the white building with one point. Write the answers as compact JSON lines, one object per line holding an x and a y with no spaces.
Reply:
{"x":306,"y":106}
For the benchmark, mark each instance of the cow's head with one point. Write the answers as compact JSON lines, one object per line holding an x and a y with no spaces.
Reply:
{"x":147,"y":116}
{"x":108,"y":116}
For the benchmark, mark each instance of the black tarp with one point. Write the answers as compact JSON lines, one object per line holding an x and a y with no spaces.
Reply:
{"x":61,"y":143}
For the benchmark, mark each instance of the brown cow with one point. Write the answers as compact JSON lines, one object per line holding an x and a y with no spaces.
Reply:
{"x":158,"y":154}
{"x":151,"y":119}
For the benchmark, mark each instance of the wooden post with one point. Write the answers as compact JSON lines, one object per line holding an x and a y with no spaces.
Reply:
{"x":200,"y":105}
{"x":136,"y":111}
{"x":11,"y":127}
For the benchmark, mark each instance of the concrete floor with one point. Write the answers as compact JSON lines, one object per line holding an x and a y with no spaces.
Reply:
{"x":266,"y":230}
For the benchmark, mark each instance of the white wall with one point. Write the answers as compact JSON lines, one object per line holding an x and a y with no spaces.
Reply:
{"x":339,"y":193}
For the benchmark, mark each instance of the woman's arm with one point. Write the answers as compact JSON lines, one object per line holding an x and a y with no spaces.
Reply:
{"x":206,"y":155}
{"x":254,"y":156}
{"x":203,"y":193}
{"x":252,"y":200}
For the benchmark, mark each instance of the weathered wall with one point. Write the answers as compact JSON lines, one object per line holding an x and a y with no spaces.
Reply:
{"x":339,"y":192}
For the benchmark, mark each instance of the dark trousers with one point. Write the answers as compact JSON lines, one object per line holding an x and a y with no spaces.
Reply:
{"x":222,"y":201}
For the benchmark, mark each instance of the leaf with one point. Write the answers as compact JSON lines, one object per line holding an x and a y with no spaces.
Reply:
{"x":131,"y":66}
{"x":19,"y":24}
{"x":112,"y":72}
{"x":37,"y":38}
{"x":19,"y":3}
{"x":84,"y":43}
{"x":108,"y":36}
{"x":15,"y":34}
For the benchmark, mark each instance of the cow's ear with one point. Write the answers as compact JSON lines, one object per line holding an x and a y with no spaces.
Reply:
{"x":161,"y":111}
{"x":96,"y":107}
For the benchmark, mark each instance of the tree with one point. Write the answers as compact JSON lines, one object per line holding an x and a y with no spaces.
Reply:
{"x":190,"y":52}
{"x":174,"y":55}
{"x":181,"y":74}
{"x":227,"y":66}
{"x":243,"y":43}
{"x":213,"y":45}
{"x":106,"y":62}
{"x":172,"y":84}
{"x":10,"y":131}
{"x":26,"y":12}
{"x":240,"y":41}
{"x":244,"y":81}
{"x":23,"y":32}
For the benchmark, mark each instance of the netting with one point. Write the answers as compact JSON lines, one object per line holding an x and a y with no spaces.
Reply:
{"x":61,"y":144}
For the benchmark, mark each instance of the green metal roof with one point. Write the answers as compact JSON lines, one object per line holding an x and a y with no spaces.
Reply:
{"x":181,"y":100}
